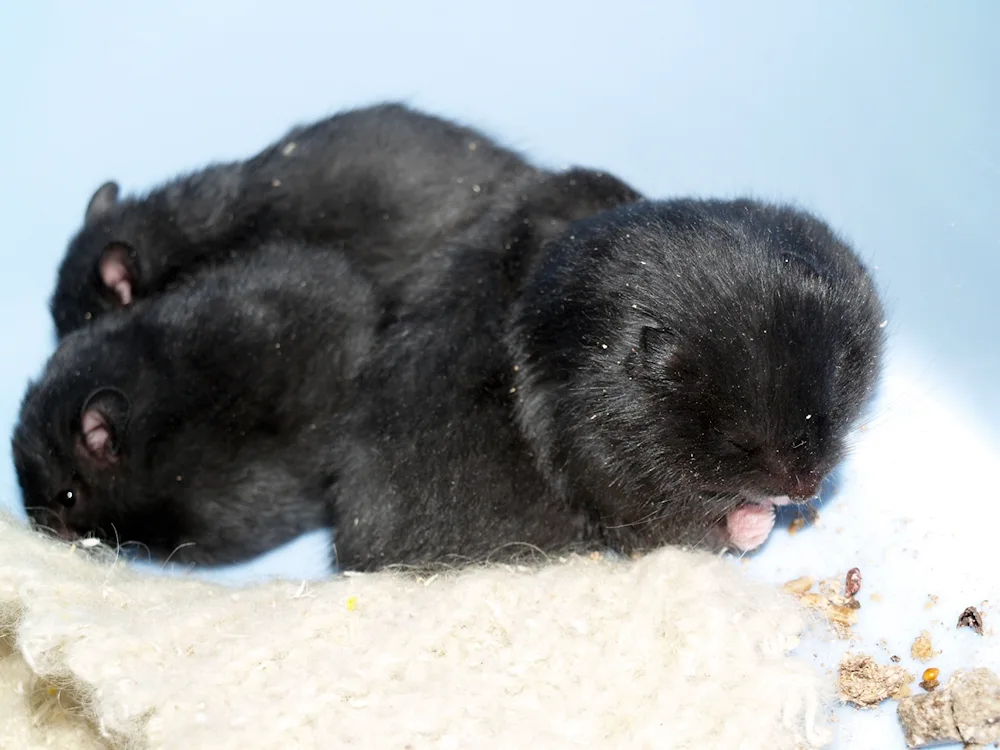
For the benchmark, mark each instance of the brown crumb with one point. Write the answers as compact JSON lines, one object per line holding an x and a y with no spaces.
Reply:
{"x":798,"y":586}
{"x":840,"y":611}
{"x":895,"y":659}
{"x":843,"y":615}
{"x":966,"y":710}
{"x":797,"y":524}
{"x":815,"y":601}
{"x":865,"y":683}
{"x":971,"y":618}
{"x":929,"y":679}
{"x":852,"y":584}
{"x":922,"y":649}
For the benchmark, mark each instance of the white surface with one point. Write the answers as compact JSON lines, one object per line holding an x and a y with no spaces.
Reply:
{"x":916,"y":513}
{"x":883,"y":117}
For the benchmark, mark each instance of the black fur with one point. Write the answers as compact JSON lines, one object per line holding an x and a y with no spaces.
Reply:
{"x":387,"y":185}
{"x":627,"y":384}
{"x":206,"y":396}
{"x":549,"y":378}
{"x":199,"y":425}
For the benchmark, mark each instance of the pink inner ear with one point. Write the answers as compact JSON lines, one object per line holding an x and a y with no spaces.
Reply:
{"x":115,"y":275}
{"x":96,"y":436}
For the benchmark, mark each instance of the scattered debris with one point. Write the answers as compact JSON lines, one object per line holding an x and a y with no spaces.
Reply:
{"x":966,"y":710}
{"x":895,"y":659}
{"x":809,"y":515}
{"x":842,"y":615}
{"x":931,"y":601}
{"x":866,"y":683}
{"x":839,"y":610}
{"x":799,"y":586}
{"x":922,"y":649}
{"x":929,"y":679}
{"x":971,"y":618}
{"x":852,"y":584}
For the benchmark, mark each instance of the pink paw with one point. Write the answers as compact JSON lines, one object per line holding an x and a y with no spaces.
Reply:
{"x":749,"y":525}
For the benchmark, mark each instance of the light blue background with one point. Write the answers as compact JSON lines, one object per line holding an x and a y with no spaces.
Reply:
{"x":884,"y":117}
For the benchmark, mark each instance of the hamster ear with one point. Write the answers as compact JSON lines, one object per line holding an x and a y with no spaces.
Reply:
{"x":117,"y":271}
{"x":103,"y":424}
{"x":103,"y":200}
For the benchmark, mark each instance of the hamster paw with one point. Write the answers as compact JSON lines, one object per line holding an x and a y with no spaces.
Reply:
{"x":749,"y":525}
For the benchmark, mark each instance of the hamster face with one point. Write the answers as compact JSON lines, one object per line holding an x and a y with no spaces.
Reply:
{"x":721,"y":350}
{"x":196,"y":426}
{"x":759,"y":396}
{"x":119,"y":443}
{"x":71,"y":448}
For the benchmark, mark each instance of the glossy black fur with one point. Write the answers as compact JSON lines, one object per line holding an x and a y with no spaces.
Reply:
{"x":627,"y":384}
{"x":211,"y":399}
{"x":386,"y":184}
{"x":220,"y":397}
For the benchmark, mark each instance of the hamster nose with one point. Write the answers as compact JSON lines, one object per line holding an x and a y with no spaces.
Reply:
{"x":804,"y":486}
{"x":797,"y":485}
{"x":61,"y":529}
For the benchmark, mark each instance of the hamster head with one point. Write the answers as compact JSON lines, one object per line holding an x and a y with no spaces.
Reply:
{"x":102,"y":272}
{"x":71,"y":444}
{"x":721,"y":350}
{"x":141,"y":438}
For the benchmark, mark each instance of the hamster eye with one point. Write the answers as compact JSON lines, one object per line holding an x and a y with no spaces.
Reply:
{"x":66,"y":498}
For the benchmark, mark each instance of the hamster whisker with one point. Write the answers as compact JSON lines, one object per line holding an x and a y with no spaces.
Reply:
{"x":175,"y":551}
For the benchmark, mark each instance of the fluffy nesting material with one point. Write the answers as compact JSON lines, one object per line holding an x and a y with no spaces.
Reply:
{"x":673,"y":651}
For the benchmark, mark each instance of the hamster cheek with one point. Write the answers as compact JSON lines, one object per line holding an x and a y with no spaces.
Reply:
{"x":749,"y":525}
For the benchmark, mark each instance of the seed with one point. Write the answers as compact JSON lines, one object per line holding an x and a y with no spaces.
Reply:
{"x":931,"y":674}
{"x":853,"y":583}
{"x":971,"y":618}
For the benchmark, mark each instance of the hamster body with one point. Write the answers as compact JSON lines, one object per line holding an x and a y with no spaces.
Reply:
{"x":662,"y":372}
{"x":202,"y":423}
{"x":385,"y":184}
{"x":197,"y":426}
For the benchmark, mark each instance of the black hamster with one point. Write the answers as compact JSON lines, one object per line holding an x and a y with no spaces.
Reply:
{"x":685,"y":366}
{"x":663,"y":372}
{"x":197,"y":425}
{"x":189,"y":385}
{"x":386,"y":184}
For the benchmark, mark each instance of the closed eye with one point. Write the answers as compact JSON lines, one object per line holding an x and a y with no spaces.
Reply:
{"x":737,"y":448}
